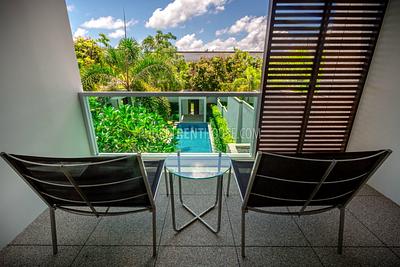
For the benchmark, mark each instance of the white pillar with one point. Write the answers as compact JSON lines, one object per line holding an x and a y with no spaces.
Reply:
{"x":180,"y":108}
{"x":39,"y":108}
{"x":377,"y":123}
{"x":205,"y":109}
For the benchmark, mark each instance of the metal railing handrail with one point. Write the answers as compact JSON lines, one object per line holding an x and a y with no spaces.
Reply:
{"x":218,"y":51}
{"x":168,"y":93}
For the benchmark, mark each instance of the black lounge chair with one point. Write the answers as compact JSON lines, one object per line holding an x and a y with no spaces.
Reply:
{"x":314,"y":182}
{"x":90,"y":186}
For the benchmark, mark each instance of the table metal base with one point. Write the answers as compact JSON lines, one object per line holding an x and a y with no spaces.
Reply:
{"x":218,"y":202}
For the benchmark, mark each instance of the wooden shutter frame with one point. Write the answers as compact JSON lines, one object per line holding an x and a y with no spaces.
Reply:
{"x":358,"y":73}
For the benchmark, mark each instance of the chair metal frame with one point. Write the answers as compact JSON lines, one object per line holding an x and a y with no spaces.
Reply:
{"x":91,"y":205}
{"x":245,"y":208}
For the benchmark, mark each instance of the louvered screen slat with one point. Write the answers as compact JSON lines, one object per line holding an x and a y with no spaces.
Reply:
{"x":317,"y":58}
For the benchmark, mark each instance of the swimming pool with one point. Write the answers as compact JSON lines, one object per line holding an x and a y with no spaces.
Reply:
{"x":193,"y":137}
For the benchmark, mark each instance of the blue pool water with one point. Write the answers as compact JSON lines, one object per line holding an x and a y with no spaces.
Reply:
{"x":194,"y":137}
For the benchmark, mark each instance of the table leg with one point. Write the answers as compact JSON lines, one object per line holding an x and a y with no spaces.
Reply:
{"x":166,"y":180}
{"x":171,"y":183}
{"x":229,"y":181}
{"x":218,"y":201}
{"x":196,"y":217}
{"x":220,"y":181}
{"x":171,"y":187}
{"x":180,"y":189}
{"x":217,"y":193}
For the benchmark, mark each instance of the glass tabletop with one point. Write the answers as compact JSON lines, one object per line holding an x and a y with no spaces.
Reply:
{"x":193,"y":166}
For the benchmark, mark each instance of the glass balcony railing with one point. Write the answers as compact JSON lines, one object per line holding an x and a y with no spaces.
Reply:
{"x":165,"y":122}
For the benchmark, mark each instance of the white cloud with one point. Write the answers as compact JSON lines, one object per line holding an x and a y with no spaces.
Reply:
{"x":117,"y":33}
{"x":180,"y":11}
{"x":254,"y":37}
{"x":80,"y":32}
{"x":253,"y":41}
{"x":70,"y":8}
{"x":218,"y":44}
{"x":246,"y":24}
{"x":253,"y":27}
{"x":240,"y":25}
{"x":109,"y":23}
{"x":220,"y":32}
{"x":220,"y":8}
{"x":189,"y":42}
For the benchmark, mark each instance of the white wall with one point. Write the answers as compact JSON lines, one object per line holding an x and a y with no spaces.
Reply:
{"x":233,"y":116}
{"x":240,"y":117}
{"x":39,"y":107}
{"x":248,"y":123}
{"x":377,"y":123}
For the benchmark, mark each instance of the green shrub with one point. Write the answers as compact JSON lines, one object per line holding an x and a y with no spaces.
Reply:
{"x":159,"y":105}
{"x":130,"y":128}
{"x":174,"y":117}
{"x":221,"y":133}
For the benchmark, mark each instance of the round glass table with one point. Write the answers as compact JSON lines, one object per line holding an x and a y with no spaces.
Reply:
{"x":197,"y":167}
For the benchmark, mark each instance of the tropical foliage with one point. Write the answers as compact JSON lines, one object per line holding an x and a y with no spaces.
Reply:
{"x":238,"y":72}
{"x":130,"y":128}
{"x":126,"y":67}
{"x":155,"y":65}
{"x":221,"y":133}
{"x":87,"y":52}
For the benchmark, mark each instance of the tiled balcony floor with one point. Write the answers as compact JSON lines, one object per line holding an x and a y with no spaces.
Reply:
{"x":372,"y":236}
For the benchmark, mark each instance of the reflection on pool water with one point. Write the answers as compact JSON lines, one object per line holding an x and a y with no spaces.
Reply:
{"x":194,"y":137}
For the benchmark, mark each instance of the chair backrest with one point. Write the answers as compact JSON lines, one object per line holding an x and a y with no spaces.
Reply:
{"x":313,"y":179}
{"x":94,"y":181}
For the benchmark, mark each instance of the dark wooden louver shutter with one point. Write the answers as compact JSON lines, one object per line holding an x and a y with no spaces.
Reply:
{"x":318,"y":53}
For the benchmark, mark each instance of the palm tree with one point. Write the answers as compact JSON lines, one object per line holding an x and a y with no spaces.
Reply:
{"x":126,"y":67}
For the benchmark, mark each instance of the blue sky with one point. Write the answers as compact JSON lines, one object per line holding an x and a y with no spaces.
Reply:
{"x":197,"y":24}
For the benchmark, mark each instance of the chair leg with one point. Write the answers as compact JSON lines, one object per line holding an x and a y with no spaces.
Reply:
{"x":229,"y":182}
{"x":53,"y":230}
{"x":243,"y":232}
{"x":166,"y":180}
{"x":341,"y":230}
{"x":154,"y":233}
